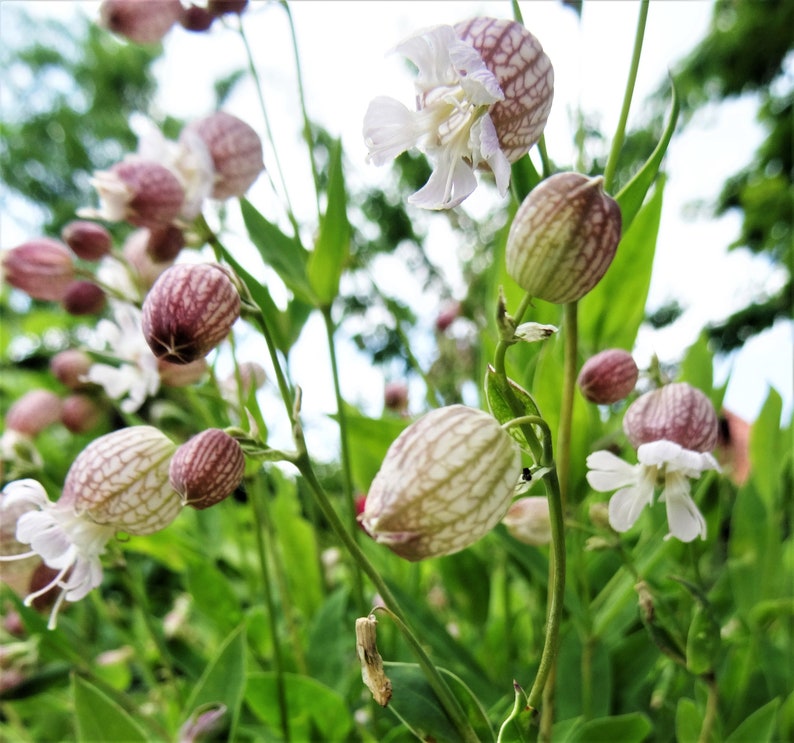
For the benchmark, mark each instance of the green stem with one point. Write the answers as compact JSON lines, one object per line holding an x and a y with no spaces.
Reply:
{"x":258,"y":86}
{"x":260,"y":507}
{"x":712,"y":710}
{"x":570,"y":350}
{"x":347,"y":478}
{"x":307,"y":130}
{"x":620,"y":133}
{"x":434,"y":678}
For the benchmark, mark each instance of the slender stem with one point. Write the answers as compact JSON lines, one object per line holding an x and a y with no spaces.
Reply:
{"x":570,"y":350}
{"x":712,"y":710}
{"x":260,"y":506}
{"x":620,"y":133}
{"x":258,"y":86}
{"x":440,"y":687}
{"x":307,"y":129}
{"x":347,"y":478}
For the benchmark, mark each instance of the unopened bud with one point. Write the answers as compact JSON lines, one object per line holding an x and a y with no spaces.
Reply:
{"x":236,"y":152}
{"x":190,"y":309}
{"x":42,"y":268}
{"x":165,"y":243}
{"x":525,"y":75}
{"x":80,"y":413}
{"x":140,"y":21}
{"x":121,"y":480}
{"x":88,"y":240}
{"x":445,"y":482}
{"x":676,"y":412}
{"x":528,"y":521}
{"x":33,"y":412}
{"x":196,"y":19}
{"x":136,"y":253}
{"x":223,"y":7}
{"x":207,"y":468}
{"x":84,"y":298}
{"x":395,"y":396}
{"x":70,"y":366}
{"x":563,"y":238}
{"x":608,"y":377}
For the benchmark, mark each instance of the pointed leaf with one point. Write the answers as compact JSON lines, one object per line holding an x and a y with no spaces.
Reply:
{"x":285,"y":255}
{"x":500,"y":407}
{"x":328,"y":259}
{"x":633,"y":193}
{"x":759,"y":727}
{"x":98,"y":717}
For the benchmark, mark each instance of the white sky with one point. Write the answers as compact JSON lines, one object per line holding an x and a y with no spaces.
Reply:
{"x":343,"y":47}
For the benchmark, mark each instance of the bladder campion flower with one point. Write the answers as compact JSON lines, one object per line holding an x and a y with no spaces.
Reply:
{"x":445,"y":482}
{"x":119,"y":482}
{"x":483,"y":94}
{"x":673,"y":431}
{"x":608,"y":377}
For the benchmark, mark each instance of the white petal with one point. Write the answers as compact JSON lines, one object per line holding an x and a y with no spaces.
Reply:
{"x":609,"y":472}
{"x":658,"y":452}
{"x":692,"y":463}
{"x":626,"y":505}
{"x":389,"y":129}
{"x":429,"y":51}
{"x":451,"y":181}
{"x":484,"y":143}
{"x":86,"y":575}
{"x":25,"y":491}
{"x":683,"y":517}
{"x":480,"y":84}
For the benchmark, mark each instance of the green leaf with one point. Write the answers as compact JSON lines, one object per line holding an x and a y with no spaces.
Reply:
{"x":759,"y":727}
{"x":329,"y":257}
{"x":415,"y":703}
{"x":768,"y":449}
{"x":285,"y":255}
{"x":697,"y":367}
{"x":688,"y":720}
{"x":315,"y":712}
{"x":213,"y":596}
{"x":703,"y":641}
{"x":369,"y":440}
{"x":611,"y":314}
{"x":223,"y":681}
{"x":633,"y":193}
{"x":630,"y":728}
{"x":499,"y":406}
{"x":99,"y":718}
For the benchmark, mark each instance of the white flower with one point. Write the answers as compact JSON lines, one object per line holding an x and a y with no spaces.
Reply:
{"x":136,"y":376}
{"x":65,"y":541}
{"x":662,"y":462}
{"x":529,"y":332}
{"x":451,"y":125}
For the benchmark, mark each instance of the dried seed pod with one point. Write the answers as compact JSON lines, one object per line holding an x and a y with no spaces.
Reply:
{"x":42,"y":268}
{"x":207,"y":468}
{"x":563,"y":238}
{"x":445,"y":482}
{"x":608,"y":377}
{"x":190,"y":309}
{"x":236,"y":152}
{"x":676,"y":412}
{"x":121,"y":480}
{"x":525,"y":75}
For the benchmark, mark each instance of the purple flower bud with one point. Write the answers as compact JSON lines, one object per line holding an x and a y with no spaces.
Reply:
{"x":563,"y":238}
{"x":42,"y":268}
{"x":395,"y":396}
{"x":88,"y":240}
{"x":528,"y":521}
{"x":223,"y":7}
{"x":676,"y":412}
{"x":236,"y":152}
{"x":196,"y":19}
{"x":33,"y":412}
{"x":140,"y":21}
{"x":207,"y":468}
{"x":69,"y":366}
{"x":84,"y":298}
{"x":608,"y":377}
{"x":190,"y":309}
{"x":80,"y":413}
{"x":445,"y":482}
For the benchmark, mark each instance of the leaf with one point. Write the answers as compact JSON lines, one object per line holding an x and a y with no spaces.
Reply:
{"x":213,"y":595}
{"x":611,"y":314}
{"x":630,"y":728}
{"x":688,"y":720}
{"x":415,"y":703}
{"x":500,"y":407}
{"x":759,"y":727}
{"x":697,"y":366}
{"x":223,"y":681}
{"x":315,"y":712}
{"x":768,"y":449}
{"x":369,"y":439}
{"x":633,"y":193}
{"x":285,"y":255}
{"x":100,"y":718}
{"x":329,"y":257}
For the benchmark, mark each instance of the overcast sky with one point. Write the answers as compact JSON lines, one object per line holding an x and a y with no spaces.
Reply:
{"x":343,"y":48}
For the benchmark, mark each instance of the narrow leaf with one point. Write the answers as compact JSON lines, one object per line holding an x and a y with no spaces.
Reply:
{"x":328,"y":259}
